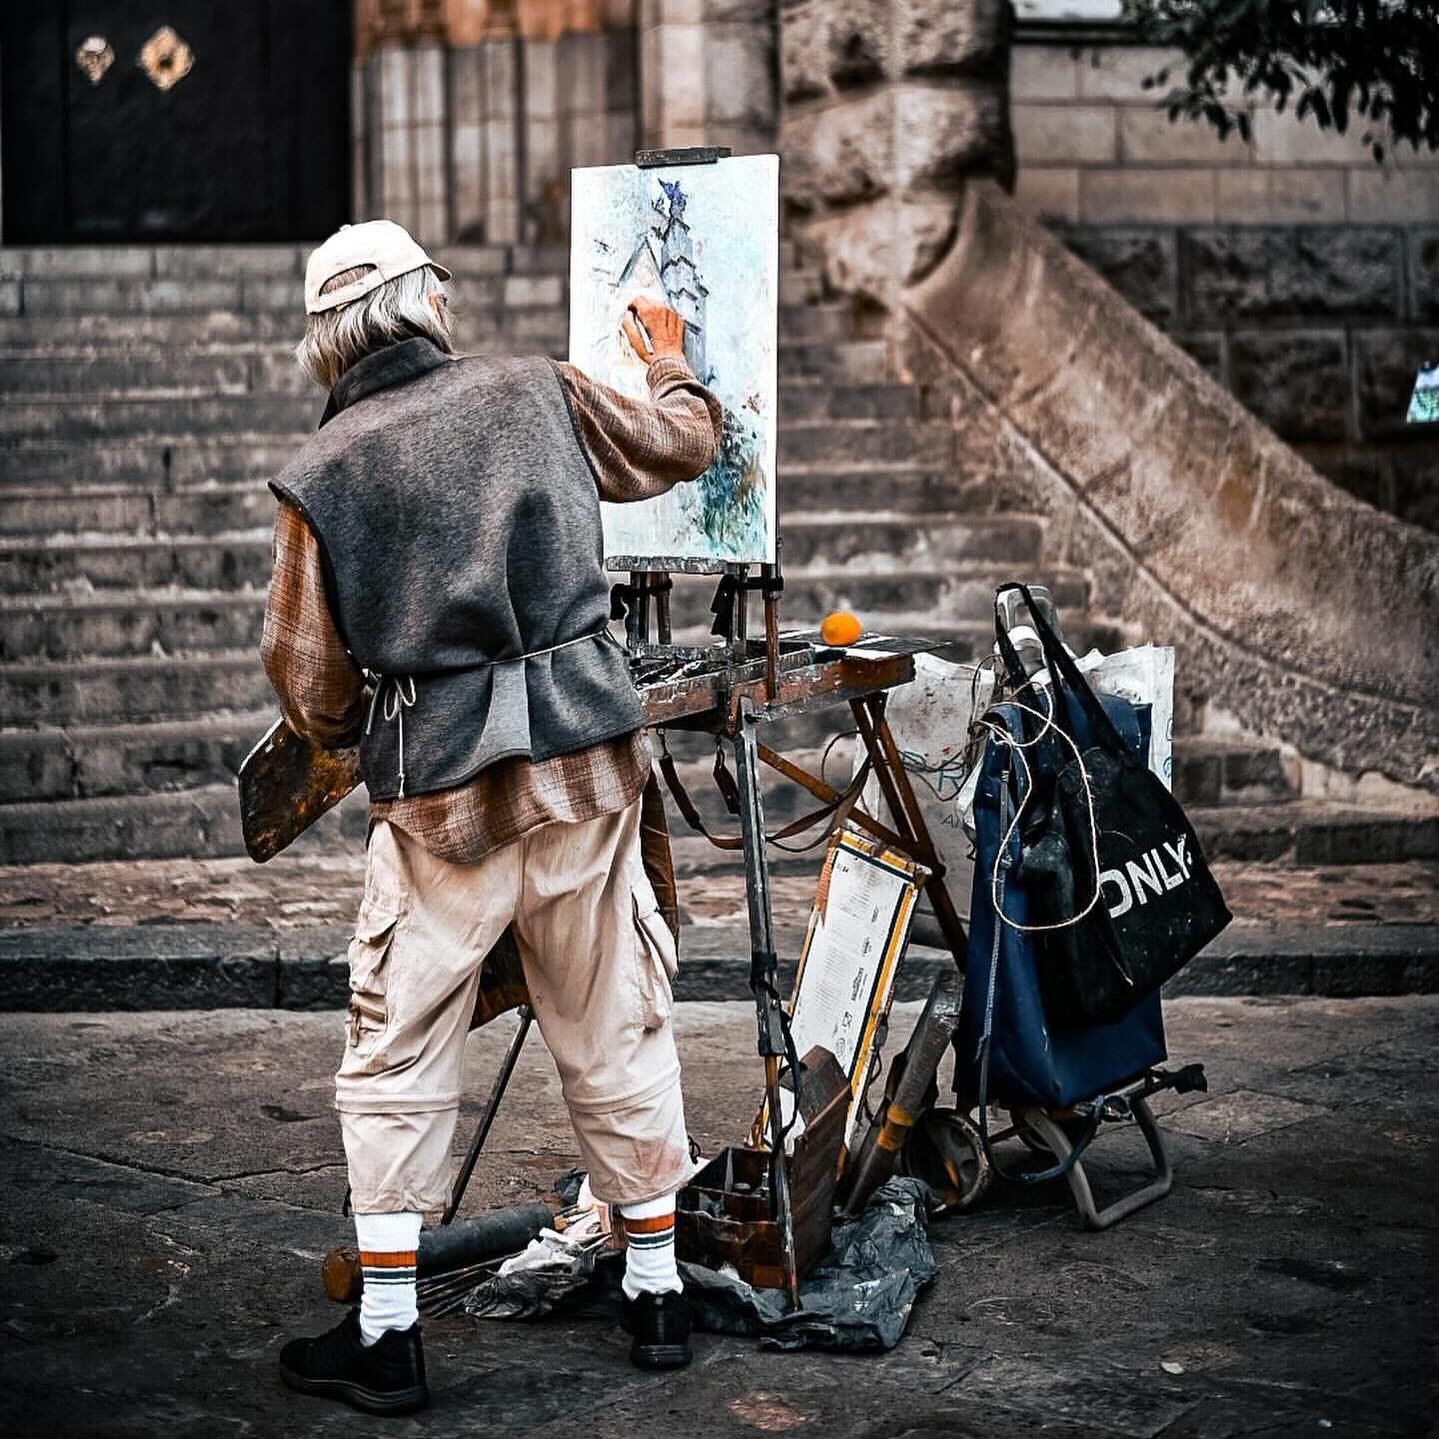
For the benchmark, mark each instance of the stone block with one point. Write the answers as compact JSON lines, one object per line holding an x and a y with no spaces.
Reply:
{"x":1385,"y":363}
{"x":680,"y":54}
{"x":1065,"y":134}
{"x":101,"y":261}
{"x":858,"y":42}
{"x":580,"y":59}
{"x":1148,"y":137}
{"x":1206,"y":349}
{"x":621,"y":77}
{"x":739,"y":75}
{"x":1140,"y":263}
{"x":9,"y":297}
{"x":1282,"y":138}
{"x":1296,"y":381}
{"x":1043,"y":72}
{"x":533,"y":291}
{"x":940,"y":37}
{"x":1176,"y":197}
{"x":1118,"y":72}
{"x":428,"y":63}
{"x":499,"y":80}
{"x":1422,"y":250}
{"x":396,"y":89}
{"x":1307,"y":272}
{"x":35,"y":766}
{"x":1049,"y":193}
{"x":542,"y":96}
{"x":1281,"y":197}
{"x":1389,"y":194}
{"x":803,"y":43}
{"x":467,"y":85}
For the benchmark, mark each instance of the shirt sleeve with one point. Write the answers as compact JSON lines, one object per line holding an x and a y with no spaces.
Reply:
{"x":320,"y":688}
{"x":640,"y":448}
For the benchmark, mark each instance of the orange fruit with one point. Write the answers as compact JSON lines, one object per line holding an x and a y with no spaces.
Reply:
{"x":840,"y":628}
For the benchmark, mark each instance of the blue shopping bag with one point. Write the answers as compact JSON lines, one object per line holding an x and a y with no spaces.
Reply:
{"x":1030,"y":1062}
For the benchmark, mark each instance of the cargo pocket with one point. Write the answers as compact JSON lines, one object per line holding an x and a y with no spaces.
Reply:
{"x":369,"y":970}
{"x":656,"y":959}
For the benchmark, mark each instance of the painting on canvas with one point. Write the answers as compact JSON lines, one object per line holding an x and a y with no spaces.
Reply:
{"x":704,"y":239}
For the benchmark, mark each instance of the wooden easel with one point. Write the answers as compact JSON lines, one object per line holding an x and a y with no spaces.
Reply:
{"x":747,"y":681}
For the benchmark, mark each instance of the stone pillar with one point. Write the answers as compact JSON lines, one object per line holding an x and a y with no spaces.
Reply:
{"x":469,"y":114}
{"x":889,"y":105}
{"x":708,"y":71}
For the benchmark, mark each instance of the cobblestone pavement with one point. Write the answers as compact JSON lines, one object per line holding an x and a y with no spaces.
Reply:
{"x":295,"y":890}
{"x":171,"y":1181}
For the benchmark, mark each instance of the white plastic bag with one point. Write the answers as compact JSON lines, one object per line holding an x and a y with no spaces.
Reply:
{"x":930,"y":719}
{"x":930,"y":722}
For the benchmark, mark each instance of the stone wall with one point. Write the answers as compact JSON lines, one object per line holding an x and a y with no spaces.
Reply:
{"x":1298,"y":272}
{"x":887,"y":107}
{"x":1299,"y":613}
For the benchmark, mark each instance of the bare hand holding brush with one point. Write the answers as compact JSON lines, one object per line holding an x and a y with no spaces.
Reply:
{"x":653,"y":330}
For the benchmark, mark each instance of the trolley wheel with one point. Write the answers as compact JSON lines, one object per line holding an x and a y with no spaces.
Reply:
{"x":944,"y":1150}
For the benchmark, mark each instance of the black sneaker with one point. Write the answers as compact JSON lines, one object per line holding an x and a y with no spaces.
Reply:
{"x":660,"y":1324}
{"x":386,"y":1377}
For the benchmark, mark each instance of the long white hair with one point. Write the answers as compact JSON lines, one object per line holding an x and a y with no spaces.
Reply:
{"x":400,"y":309}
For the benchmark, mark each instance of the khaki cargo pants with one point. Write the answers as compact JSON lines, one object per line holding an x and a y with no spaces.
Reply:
{"x":598,"y":959}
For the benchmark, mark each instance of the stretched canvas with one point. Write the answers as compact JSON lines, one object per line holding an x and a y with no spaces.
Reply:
{"x":704,"y":239}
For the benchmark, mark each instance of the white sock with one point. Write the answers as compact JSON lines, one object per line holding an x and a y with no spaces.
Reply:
{"x":650,"y":1248}
{"x":388,"y":1245}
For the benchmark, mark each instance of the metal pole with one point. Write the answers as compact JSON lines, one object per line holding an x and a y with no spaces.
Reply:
{"x":497,"y":1093}
{"x":763,"y":969}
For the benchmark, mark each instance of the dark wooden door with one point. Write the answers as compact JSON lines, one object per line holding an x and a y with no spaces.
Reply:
{"x":174,"y":119}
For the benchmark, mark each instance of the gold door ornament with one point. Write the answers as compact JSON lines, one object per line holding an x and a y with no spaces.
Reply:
{"x":94,"y":56}
{"x":166,"y":58}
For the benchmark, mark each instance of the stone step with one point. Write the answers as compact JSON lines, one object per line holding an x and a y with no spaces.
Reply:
{"x":216,"y":562}
{"x":131,"y":690}
{"x":128,"y":511}
{"x":1233,"y":771}
{"x":1314,"y":832}
{"x":88,"y":761}
{"x":165,"y":461}
{"x":865,"y":442}
{"x":127,"y":623}
{"x":86,"y":419}
{"x":916,"y":489}
{"x":223,"y":560}
{"x":121,"y":622}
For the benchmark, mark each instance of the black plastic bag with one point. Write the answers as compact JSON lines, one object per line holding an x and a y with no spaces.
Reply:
{"x":858,"y":1298}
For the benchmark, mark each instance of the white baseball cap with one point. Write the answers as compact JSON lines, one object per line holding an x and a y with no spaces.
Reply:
{"x":389,"y":247}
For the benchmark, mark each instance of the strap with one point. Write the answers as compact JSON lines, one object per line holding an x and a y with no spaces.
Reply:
{"x":838,"y":808}
{"x":1062,"y":667}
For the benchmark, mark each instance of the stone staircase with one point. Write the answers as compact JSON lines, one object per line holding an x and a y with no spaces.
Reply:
{"x":148,"y":394}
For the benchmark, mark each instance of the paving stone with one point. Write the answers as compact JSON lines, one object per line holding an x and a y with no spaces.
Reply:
{"x":186,"y":1239}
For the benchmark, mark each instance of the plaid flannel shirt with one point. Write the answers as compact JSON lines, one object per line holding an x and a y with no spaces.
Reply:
{"x":637,"y":449}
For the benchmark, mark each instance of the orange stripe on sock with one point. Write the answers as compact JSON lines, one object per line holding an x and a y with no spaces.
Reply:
{"x":388,"y":1259}
{"x":657,"y":1225}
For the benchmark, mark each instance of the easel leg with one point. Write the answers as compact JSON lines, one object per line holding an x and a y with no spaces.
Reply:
{"x":763,"y":969}
{"x":908,"y":818}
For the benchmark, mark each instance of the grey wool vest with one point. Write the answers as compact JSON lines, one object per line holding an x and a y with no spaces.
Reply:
{"x":459,"y":522}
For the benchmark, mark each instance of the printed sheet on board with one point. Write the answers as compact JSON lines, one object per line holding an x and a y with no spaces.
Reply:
{"x":857,"y":933}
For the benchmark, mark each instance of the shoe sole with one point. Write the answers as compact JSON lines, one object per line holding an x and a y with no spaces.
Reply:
{"x":660,"y":1356}
{"x":370,"y":1401}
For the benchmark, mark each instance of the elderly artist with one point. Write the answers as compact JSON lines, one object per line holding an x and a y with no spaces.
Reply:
{"x":439,"y":598}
